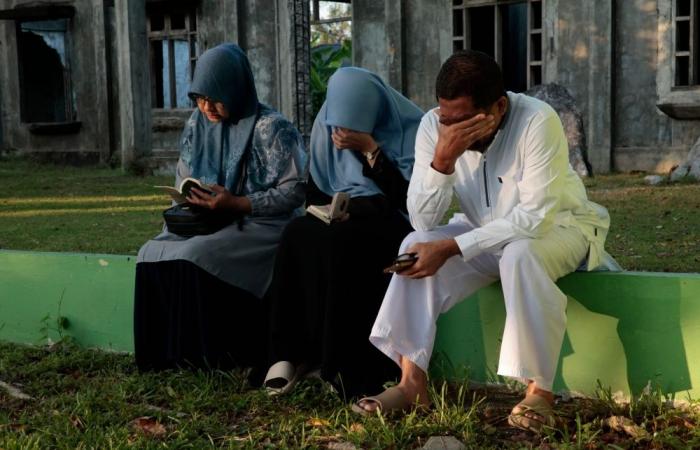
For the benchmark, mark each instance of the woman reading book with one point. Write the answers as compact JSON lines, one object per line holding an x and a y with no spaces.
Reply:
{"x":328,"y":281}
{"x":198,"y":299}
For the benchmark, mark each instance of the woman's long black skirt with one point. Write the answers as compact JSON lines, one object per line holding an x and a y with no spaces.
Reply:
{"x":326,"y":291}
{"x":186,"y":317}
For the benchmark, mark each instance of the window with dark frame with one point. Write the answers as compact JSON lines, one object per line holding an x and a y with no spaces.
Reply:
{"x":172,"y":36}
{"x":686,"y":43}
{"x":46,"y":90}
{"x":509,"y":31}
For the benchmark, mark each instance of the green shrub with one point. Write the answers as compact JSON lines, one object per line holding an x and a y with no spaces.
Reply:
{"x":325,"y":60}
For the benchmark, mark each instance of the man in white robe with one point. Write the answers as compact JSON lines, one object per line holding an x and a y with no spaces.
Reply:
{"x":525,"y":220}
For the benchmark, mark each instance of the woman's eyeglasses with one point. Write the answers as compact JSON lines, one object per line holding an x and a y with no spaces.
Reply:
{"x":202,"y":100}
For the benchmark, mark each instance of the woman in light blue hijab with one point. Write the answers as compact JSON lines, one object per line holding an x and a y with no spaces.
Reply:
{"x":198,"y":299}
{"x":328,"y":282}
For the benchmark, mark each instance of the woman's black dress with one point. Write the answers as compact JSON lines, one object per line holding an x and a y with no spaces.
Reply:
{"x":186,"y":317}
{"x":329,"y":283}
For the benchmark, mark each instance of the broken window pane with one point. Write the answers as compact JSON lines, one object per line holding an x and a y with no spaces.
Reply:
{"x":181,"y":81}
{"x":45,"y":79}
{"x":173,"y":53}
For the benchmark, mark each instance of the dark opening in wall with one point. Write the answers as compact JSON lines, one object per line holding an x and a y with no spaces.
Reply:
{"x":686,"y":22}
{"x":514,"y":46}
{"x":481,"y":27}
{"x":46,"y":93}
{"x":172,"y":36}
{"x":509,"y":31}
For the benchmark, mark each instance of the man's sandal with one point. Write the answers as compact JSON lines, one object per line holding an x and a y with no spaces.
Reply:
{"x":534,"y":413}
{"x":391,"y":400}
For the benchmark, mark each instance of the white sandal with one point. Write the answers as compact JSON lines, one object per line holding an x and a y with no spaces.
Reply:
{"x":281,"y":378}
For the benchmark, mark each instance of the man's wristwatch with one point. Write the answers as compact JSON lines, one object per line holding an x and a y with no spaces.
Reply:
{"x":371,"y":155}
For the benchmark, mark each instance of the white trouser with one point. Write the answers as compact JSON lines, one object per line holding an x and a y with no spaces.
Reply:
{"x":535,"y":307}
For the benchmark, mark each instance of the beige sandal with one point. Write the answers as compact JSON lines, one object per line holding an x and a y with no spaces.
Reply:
{"x":534,"y":413}
{"x":388,"y":401}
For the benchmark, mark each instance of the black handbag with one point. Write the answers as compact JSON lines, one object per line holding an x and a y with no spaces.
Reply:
{"x":188,"y":220}
{"x":191,"y":220}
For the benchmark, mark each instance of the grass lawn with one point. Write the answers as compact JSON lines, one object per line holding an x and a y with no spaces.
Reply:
{"x":77,"y":209}
{"x":66,"y":397}
{"x":91,"y":399}
{"x":99,"y":210}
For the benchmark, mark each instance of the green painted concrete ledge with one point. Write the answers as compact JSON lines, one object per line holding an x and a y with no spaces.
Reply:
{"x":625,"y":329}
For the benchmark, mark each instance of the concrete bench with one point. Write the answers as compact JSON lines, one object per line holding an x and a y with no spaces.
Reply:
{"x":625,"y":329}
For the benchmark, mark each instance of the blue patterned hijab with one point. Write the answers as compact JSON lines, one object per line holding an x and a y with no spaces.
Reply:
{"x":215,"y":152}
{"x":359,"y":100}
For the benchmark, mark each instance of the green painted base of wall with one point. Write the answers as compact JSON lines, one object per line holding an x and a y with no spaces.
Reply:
{"x":94,"y":293}
{"x":624,"y":329}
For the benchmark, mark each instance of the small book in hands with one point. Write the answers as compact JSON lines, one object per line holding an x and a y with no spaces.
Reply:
{"x":180,"y":193}
{"x":335,"y":211}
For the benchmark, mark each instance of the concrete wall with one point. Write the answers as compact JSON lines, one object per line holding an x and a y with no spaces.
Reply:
{"x":624,"y":328}
{"x":404,"y":42}
{"x":645,"y":138}
{"x":88,"y":77}
{"x":615,"y":58}
{"x":577,"y":47}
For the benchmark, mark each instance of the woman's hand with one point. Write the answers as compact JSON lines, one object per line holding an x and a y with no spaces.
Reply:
{"x":345,"y":139}
{"x":222,"y":200}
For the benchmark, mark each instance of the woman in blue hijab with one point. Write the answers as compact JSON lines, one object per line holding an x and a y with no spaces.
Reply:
{"x":328,"y":282}
{"x":198,"y":299}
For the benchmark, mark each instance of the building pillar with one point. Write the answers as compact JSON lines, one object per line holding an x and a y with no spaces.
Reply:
{"x":2,"y":120}
{"x":579,"y":44}
{"x":133,"y":76}
{"x":294,"y":59}
{"x":404,"y":42}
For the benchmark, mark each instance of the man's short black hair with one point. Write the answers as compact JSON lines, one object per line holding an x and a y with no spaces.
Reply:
{"x":470,"y":73}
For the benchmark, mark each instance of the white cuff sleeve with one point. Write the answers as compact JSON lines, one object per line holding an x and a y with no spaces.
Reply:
{"x":435,"y":179}
{"x":468,"y":245}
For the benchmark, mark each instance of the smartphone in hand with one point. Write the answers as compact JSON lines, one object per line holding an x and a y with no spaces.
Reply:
{"x":402,"y":262}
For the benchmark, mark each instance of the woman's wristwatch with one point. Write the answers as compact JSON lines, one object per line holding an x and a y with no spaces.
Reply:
{"x":371,"y":155}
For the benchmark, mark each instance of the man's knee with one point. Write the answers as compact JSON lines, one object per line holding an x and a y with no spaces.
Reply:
{"x":522,"y":252}
{"x":415,"y":237}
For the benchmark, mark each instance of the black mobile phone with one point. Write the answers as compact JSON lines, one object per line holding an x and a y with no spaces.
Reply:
{"x":403,"y":261}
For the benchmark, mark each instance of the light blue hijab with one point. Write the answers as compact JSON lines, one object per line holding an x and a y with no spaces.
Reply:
{"x":359,"y":100}
{"x":214,"y":152}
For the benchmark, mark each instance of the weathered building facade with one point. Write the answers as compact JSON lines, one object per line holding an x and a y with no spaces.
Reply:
{"x":633,"y":66}
{"x":107,"y":79}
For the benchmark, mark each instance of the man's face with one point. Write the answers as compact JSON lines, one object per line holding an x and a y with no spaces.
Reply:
{"x":462,"y":108}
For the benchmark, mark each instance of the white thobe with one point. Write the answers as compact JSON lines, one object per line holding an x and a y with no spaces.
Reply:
{"x":525,"y":220}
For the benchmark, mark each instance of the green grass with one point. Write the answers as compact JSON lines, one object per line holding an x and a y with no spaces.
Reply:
{"x":77,"y":209}
{"x":91,"y":399}
{"x":653,"y":228}
{"x":100,"y":210}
